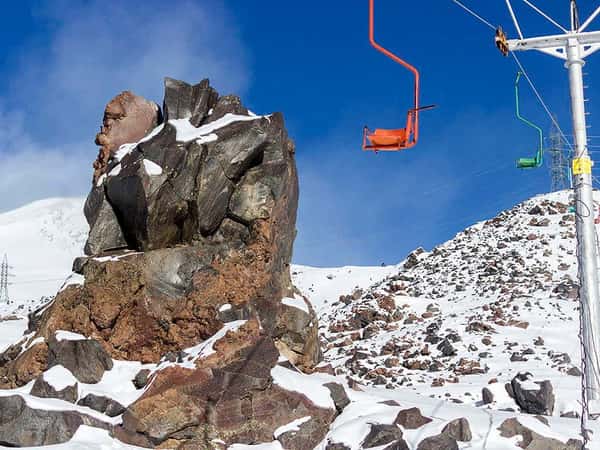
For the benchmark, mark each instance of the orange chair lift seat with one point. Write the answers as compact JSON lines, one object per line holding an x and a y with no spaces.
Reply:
{"x":400,"y":138}
{"x":386,"y":138}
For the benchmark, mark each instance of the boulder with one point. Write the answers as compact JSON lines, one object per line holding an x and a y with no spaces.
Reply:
{"x":102,"y":404}
{"x":339,"y":396}
{"x":438,"y":442}
{"x":411,"y":419}
{"x":458,"y":429}
{"x":141,"y":378}
{"x":533,"y":397}
{"x":533,"y":441}
{"x":382,"y":435}
{"x":22,"y":426}
{"x":58,"y":383}
{"x":86,"y":359}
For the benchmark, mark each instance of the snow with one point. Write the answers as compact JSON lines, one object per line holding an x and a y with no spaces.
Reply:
{"x":62,"y":335}
{"x":324,"y":286}
{"x":292,"y":426}
{"x":186,"y":132}
{"x":117,"y":382}
{"x":89,"y":438}
{"x":74,"y":279}
{"x":11,"y":331}
{"x":41,"y":240}
{"x":205,"y":348}
{"x":226,"y":307}
{"x":115,"y":171}
{"x":152,"y":168}
{"x":296,"y":302}
{"x":59,"y":377}
{"x":101,"y":180}
{"x":124,"y":150}
{"x":275,"y":445}
{"x":310,"y":386}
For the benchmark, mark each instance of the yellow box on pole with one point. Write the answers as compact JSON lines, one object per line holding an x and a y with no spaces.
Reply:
{"x":582,"y":166}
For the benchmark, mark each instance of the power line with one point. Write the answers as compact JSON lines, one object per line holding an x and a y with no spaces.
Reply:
{"x":474,"y":14}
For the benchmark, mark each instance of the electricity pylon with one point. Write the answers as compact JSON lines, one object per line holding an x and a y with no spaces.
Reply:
{"x":573,"y":46}
{"x":4,"y":281}
{"x":559,"y":165}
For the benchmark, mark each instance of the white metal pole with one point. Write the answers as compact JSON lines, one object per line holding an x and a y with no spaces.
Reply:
{"x":586,"y":237}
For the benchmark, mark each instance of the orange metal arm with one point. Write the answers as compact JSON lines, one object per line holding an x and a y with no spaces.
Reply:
{"x":400,"y":61}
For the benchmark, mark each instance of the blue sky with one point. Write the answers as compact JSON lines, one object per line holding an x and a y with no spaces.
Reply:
{"x":63,"y":60}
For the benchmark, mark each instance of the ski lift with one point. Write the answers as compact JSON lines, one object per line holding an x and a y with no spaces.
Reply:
{"x":536,"y":161}
{"x":401,"y":138}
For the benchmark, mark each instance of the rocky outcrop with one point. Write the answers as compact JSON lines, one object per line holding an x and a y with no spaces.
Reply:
{"x":529,"y":439}
{"x":191,"y":232}
{"x":127,"y":118}
{"x":23,"y":426}
{"x":533,"y":397}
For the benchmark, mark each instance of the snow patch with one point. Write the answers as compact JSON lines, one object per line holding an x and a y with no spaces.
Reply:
{"x":152,"y":168}
{"x":296,"y":302}
{"x":59,"y":377}
{"x":115,"y":171}
{"x":275,"y":445}
{"x":186,"y":132}
{"x":309,"y":385}
{"x":292,"y":426}
{"x":62,"y":335}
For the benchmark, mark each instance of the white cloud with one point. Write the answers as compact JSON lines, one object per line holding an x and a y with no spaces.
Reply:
{"x":94,"y":51}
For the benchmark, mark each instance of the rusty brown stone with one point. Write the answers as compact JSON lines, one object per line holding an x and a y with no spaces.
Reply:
{"x":127,"y":119}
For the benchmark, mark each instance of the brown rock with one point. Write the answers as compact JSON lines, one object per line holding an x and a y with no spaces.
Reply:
{"x":127,"y":119}
{"x":411,"y":419}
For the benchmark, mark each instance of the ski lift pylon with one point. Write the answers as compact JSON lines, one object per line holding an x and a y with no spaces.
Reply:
{"x":401,"y":138}
{"x":536,"y":161}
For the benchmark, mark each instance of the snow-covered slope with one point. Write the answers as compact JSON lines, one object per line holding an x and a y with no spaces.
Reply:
{"x":41,"y":240}
{"x":431,"y":332}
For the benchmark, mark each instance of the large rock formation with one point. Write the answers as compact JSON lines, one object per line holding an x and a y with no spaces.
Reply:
{"x":191,"y":234}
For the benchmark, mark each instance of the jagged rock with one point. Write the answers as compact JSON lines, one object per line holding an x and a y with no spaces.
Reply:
{"x":228,"y":104}
{"x":532,"y":440}
{"x":336,"y":446}
{"x":411,"y":419}
{"x":446,"y":348}
{"x":22,"y":426}
{"x":339,"y":396}
{"x":105,"y":230}
{"x":86,"y":359}
{"x":381,"y":435}
{"x":42,"y":388}
{"x":438,"y":442}
{"x":24,"y":367}
{"x":234,"y":388}
{"x":102,"y":404}
{"x":398,"y":445}
{"x":216,"y":226}
{"x":487,"y":396}
{"x":459,"y":430}
{"x":532,"y":400}
{"x":127,"y":118}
